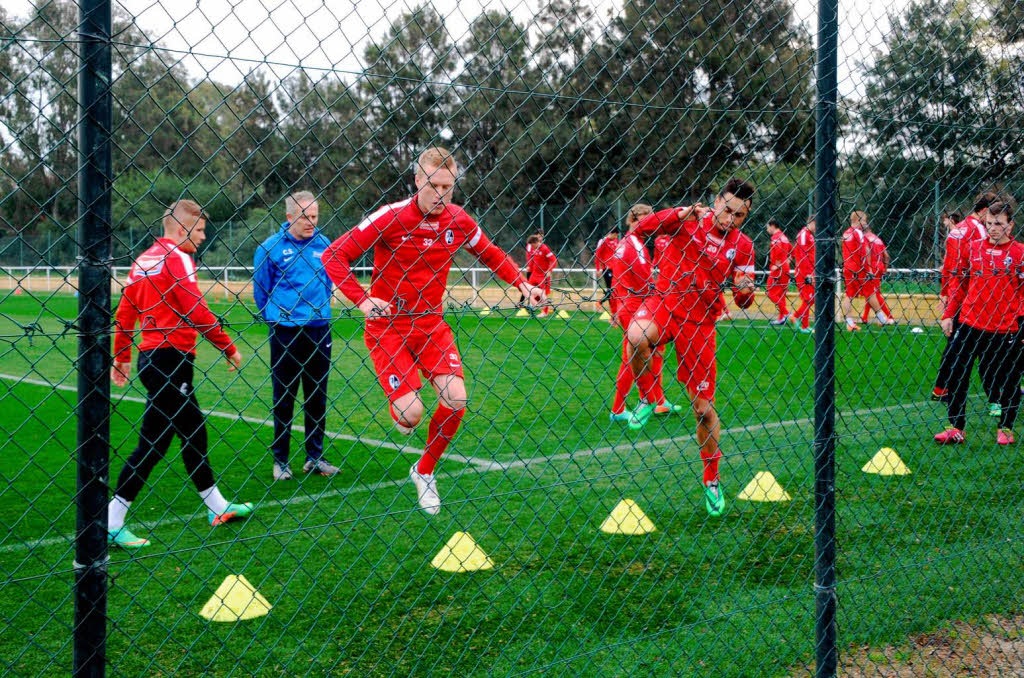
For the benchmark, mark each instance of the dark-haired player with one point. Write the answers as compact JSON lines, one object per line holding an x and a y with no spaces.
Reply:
{"x":707,"y":252}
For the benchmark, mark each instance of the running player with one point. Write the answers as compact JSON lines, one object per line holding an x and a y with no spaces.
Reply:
{"x":413,"y":244}
{"x":706,"y":253}
{"x":857,"y":270}
{"x":959,"y":238}
{"x":778,"y":270}
{"x":540,"y":262}
{"x":988,"y":293}
{"x":879,"y":267}
{"x":803,"y":255}
{"x":633,"y":279}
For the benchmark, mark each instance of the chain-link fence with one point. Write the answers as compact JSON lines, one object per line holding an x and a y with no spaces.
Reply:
{"x":779,"y":505}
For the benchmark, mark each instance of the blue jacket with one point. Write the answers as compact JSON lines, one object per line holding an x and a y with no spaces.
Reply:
{"x":290,"y":284}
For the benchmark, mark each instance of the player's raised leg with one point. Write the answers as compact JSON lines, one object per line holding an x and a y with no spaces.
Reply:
{"x":444,"y":424}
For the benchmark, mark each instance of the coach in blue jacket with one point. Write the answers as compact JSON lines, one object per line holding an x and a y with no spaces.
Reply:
{"x":293,"y":294}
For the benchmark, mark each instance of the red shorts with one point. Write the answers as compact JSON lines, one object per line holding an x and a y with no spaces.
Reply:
{"x":776,"y":290}
{"x":807,"y":293}
{"x":853,"y":286}
{"x":695,"y":347}
{"x":398,"y":351}
{"x":871,"y":287}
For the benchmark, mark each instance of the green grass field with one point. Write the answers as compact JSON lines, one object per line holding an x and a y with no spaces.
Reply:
{"x":345,"y":561}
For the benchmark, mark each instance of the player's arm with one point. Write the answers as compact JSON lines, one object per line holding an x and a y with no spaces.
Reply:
{"x":185,"y":297}
{"x":124,"y":324}
{"x":338,"y":259}
{"x":959,"y":283}
{"x":670,"y":221}
{"x":263,"y":279}
{"x":495,"y":258}
{"x":743,"y":276}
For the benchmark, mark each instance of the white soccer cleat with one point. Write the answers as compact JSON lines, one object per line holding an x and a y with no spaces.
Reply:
{"x":426,"y":491}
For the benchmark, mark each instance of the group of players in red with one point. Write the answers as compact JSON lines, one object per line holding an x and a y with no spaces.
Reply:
{"x":699,"y":251}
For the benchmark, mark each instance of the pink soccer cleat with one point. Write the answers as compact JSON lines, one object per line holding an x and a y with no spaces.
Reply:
{"x":951,"y":436}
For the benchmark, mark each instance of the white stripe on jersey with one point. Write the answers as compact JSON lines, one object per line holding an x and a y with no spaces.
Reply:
{"x":377,"y":214}
{"x":190,"y":266}
{"x":476,"y":237}
{"x":641,"y":251}
{"x":745,"y":269}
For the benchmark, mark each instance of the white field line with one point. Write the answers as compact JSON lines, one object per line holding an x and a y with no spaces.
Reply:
{"x":369,"y":442}
{"x":476,"y":468}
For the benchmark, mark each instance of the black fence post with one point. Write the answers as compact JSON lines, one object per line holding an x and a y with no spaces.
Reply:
{"x":94,"y":321}
{"x":826,"y":655}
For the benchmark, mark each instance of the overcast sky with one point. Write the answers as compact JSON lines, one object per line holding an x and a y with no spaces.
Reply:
{"x":331,"y":34}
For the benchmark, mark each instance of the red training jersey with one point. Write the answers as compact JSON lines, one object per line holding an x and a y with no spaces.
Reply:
{"x":660,"y":245}
{"x":540,"y":261}
{"x":699,"y":262}
{"x":989,"y":289}
{"x":162,"y":295}
{"x":604,"y":252}
{"x":959,"y":238}
{"x":856,"y":255}
{"x":876,"y":246}
{"x":803,"y":256}
{"x":778,"y":258}
{"x":412,"y":254}
{"x":631,"y":277}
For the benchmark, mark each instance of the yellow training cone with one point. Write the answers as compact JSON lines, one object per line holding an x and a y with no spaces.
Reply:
{"x":564,"y":314}
{"x":522,"y":313}
{"x":485,"y":311}
{"x":627,"y":518}
{"x":764,"y":487}
{"x":886,"y":463}
{"x":461,"y":554}
{"x":604,"y":316}
{"x":234,"y":600}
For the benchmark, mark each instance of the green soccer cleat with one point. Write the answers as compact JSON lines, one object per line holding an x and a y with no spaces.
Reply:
{"x":806,"y":330}
{"x":624,"y":415}
{"x":232,"y":512}
{"x":714,"y":500}
{"x":995,"y":410}
{"x":641,"y":416}
{"x":124,"y":538}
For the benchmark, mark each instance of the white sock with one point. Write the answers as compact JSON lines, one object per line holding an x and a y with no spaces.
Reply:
{"x":882,"y":318}
{"x":117,"y":509}
{"x":850,"y":322}
{"x":214,"y":500}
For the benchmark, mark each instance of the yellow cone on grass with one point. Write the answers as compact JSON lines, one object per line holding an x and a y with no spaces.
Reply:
{"x":604,"y":316}
{"x":886,"y":463}
{"x":764,"y":487}
{"x":627,"y":518}
{"x":522,"y":313}
{"x":461,"y":554}
{"x":235,"y":599}
{"x":564,"y":314}
{"x":486,"y":311}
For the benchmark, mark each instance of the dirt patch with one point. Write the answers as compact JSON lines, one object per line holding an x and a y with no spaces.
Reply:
{"x":994,"y":647}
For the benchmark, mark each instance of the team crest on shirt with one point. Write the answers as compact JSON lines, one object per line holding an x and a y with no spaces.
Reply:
{"x":730,"y":254}
{"x":1008,"y":261}
{"x":449,"y":237}
{"x":393,"y":381}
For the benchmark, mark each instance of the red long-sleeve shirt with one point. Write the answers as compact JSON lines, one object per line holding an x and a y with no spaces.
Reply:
{"x":876,"y":246}
{"x":988,"y":289}
{"x":604,"y":252}
{"x":698,"y":263}
{"x":959,"y":238}
{"x":540,"y":261}
{"x":803,"y":256}
{"x":412,"y":254}
{"x":856,"y":255}
{"x":162,"y":295}
{"x":778,"y":257}
{"x":631,"y":278}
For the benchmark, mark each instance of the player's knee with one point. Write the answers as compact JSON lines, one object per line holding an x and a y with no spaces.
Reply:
{"x":704,"y":410}
{"x":407,"y":413}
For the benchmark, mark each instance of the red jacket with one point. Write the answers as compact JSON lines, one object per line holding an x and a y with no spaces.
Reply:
{"x":989,"y":291}
{"x":162,"y":294}
{"x":604,"y":253}
{"x":803,"y":254}
{"x":778,"y":257}
{"x":631,"y":278}
{"x":856,"y":254}
{"x":959,"y":238}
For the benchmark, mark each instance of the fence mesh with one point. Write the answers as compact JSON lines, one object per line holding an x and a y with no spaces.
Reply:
{"x":569,"y":540}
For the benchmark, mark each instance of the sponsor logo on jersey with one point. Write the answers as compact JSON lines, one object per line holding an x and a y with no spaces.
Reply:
{"x":393,"y":381}
{"x":287,"y":250}
{"x":703,"y":386}
{"x":453,"y":359}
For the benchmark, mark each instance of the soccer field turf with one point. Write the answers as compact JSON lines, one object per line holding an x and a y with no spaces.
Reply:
{"x":345,"y":561}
